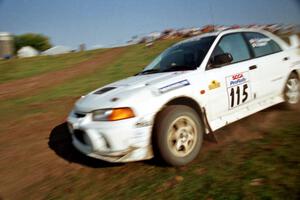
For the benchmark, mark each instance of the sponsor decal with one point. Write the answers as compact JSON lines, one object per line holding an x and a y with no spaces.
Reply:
{"x":238,"y":89}
{"x":143,"y":124}
{"x":259,"y":42}
{"x":214,"y":84}
{"x":237,"y":79}
{"x":174,"y":86}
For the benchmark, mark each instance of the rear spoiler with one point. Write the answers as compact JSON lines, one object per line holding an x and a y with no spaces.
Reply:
{"x":294,"y":41}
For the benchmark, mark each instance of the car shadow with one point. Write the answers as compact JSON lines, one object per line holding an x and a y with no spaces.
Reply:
{"x":60,"y":141}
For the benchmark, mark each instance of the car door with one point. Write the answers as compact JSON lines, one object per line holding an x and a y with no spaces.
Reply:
{"x":229,"y":85}
{"x":270,"y":66}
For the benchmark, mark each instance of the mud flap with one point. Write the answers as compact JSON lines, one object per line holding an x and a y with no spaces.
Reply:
{"x":209,"y":136}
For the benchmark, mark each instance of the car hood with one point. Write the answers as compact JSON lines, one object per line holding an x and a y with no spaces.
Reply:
{"x":141,"y":80}
{"x":114,"y":94}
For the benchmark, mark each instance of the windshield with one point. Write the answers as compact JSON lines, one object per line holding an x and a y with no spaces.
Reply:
{"x":181,"y":56}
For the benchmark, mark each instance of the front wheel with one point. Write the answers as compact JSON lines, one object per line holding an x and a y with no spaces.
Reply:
{"x":292,"y":91}
{"x":178,"y":135}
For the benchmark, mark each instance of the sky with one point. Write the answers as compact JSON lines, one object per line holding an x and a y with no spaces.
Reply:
{"x":109,"y":22}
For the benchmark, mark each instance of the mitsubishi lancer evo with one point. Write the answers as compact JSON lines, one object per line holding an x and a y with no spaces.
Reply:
{"x":191,"y":89}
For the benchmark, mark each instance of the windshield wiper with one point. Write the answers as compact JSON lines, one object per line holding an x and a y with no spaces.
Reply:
{"x":178,"y":68}
{"x":148,"y":71}
{"x":170,"y":69}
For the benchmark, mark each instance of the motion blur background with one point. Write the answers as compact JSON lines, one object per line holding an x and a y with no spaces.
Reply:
{"x":52,"y":52}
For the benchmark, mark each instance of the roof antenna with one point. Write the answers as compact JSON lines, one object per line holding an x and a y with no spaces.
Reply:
{"x":211,"y":15}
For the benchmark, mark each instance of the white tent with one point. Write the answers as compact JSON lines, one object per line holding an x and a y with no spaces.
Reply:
{"x":27,"y":51}
{"x":56,"y":50}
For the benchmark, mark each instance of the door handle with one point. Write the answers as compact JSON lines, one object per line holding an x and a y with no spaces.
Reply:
{"x":252,"y":67}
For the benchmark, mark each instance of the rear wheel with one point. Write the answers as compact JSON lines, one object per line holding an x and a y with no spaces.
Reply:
{"x":178,"y":135}
{"x":292,"y":91}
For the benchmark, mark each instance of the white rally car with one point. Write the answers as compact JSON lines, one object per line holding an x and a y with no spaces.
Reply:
{"x":193,"y":88}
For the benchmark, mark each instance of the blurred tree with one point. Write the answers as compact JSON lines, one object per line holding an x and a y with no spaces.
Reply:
{"x":37,"y":41}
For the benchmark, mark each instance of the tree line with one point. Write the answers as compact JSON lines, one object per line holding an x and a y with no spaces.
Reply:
{"x":38,"y":41}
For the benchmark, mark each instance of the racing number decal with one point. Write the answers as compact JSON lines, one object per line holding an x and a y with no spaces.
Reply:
{"x":238,"y":92}
{"x":238,"y":89}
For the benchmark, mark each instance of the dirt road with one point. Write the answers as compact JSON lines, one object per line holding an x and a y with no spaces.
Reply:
{"x":32,"y":84}
{"x":37,"y":159}
{"x":37,"y":155}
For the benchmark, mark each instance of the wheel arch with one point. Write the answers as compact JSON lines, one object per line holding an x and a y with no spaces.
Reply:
{"x":290,"y":106}
{"x":190,"y":102}
{"x":294,"y":71}
{"x":297,"y":72}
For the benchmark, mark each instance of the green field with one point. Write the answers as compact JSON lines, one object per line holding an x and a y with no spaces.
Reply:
{"x":37,"y":160}
{"x":26,"y":67}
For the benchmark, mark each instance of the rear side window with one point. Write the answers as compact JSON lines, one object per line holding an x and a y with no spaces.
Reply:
{"x":235,"y":45}
{"x":261,"y":44}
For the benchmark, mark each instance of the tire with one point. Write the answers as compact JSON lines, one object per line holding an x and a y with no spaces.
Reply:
{"x":291,"y":91}
{"x":178,"y":135}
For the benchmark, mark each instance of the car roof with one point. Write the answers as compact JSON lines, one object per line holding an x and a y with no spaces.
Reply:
{"x":199,"y":37}
{"x":226,"y":31}
{"x":236,"y":30}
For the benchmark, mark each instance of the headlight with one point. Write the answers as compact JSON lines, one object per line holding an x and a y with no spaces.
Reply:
{"x":113,"y":114}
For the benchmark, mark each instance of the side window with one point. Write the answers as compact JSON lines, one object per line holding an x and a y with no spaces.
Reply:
{"x":235,"y":45}
{"x":261,"y":44}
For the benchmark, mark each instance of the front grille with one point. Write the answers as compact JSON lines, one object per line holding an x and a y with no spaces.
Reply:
{"x":79,"y":115}
{"x":79,"y":134}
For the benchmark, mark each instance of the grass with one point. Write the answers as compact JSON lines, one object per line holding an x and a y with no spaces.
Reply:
{"x":26,"y":67}
{"x":231,"y":170}
{"x":18,"y":68}
{"x":266,"y":168}
{"x":224,"y":173}
{"x":133,"y":60}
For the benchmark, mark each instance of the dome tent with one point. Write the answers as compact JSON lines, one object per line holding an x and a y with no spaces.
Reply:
{"x":56,"y":50}
{"x":27,"y":51}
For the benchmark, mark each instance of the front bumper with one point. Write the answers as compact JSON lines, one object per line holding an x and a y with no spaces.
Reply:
{"x":118,"y":141}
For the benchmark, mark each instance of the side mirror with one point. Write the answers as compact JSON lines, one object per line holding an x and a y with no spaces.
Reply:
{"x":221,"y":59}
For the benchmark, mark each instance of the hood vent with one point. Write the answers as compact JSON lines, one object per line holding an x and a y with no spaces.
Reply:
{"x":104,"y":90}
